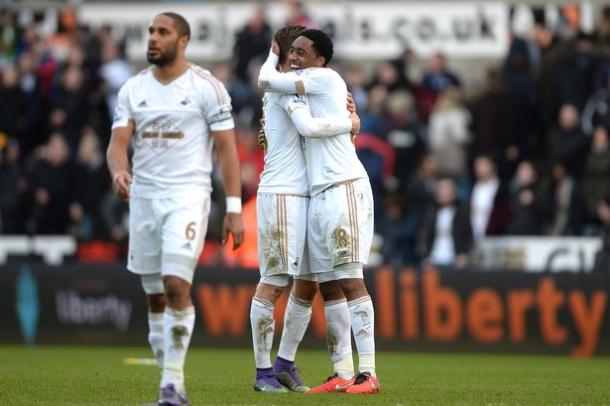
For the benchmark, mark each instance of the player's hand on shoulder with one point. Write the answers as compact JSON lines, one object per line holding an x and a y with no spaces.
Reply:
{"x":261,"y":138}
{"x":351,"y":106}
{"x":234,"y":225}
{"x":355,"y":123}
{"x":121,"y":184}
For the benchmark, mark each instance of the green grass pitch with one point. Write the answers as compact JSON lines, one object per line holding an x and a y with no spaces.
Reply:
{"x":99,"y":376}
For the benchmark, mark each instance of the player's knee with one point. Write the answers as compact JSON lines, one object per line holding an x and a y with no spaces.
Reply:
{"x":270,"y":293}
{"x":304,"y":289}
{"x":331,"y":290}
{"x":177,"y":292}
{"x":156,"y":303}
{"x":353,"y":288}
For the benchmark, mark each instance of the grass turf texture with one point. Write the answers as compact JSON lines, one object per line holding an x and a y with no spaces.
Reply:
{"x":98,"y":376}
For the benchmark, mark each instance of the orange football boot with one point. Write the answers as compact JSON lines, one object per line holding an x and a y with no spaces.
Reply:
{"x":365,"y":384}
{"x":333,"y":384}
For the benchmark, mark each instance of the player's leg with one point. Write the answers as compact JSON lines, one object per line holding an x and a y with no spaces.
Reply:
{"x":298,"y":310}
{"x":183,"y":234}
{"x":362,"y":318}
{"x":352,"y":245}
{"x":338,"y":337}
{"x":153,"y":287}
{"x":273,"y":258}
{"x":296,"y":321}
{"x":262,"y":322}
{"x":144,"y":259}
{"x":335,"y":306}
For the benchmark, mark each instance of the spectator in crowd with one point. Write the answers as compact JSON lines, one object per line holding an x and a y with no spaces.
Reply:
{"x":573,"y":73}
{"x":521,"y":92}
{"x":13,"y":104}
{"x":565,"y":203}
{"x":404,"y":134}
{"x":378,"y":158}
{"x":596,"y":176}
{"x":13,"y":188}
{"x":34,"y":134}
{"x":8,"y":37}
{"x":566,"y":142}
{"x":398,"y":227}
{"x":251,"y":159}
{"x":114,"y":216}
{"x":249,"y":52}
{"x":51,"y":183}
{"x":404,"y":64}
{"x":89,"y":182}
{"x":489,"y":203}
{"x":491,"y":119}
{"x":387,"y":75}
{"x":597,"y":109}
{"x":436,"y":79}
{"x":372,"y":118}
{"x":297,"y":15}
{"x":354,"y":78}
{"x":448,"y":134}
{"x":114,"y":72}
{"x":447,"y":236}
{"x":70,"y":106}
{"x":528,"y":202}
{"x":420,"y":189}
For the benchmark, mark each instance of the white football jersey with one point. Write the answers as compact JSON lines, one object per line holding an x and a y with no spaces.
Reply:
{"x":330,"y":160}
{"x":172,"y":143}
{"x":284,"y":170}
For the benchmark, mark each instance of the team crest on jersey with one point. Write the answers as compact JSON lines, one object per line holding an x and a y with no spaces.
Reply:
{"x":161,"y":134}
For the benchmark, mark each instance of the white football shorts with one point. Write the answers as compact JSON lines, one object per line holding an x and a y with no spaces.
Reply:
{"x":340,"y":226}
{"x":282,"y":228}
{"x":166,"y":235}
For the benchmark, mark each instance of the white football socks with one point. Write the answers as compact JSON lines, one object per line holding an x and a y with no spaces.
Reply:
{"x":177,"y":331}
{"x":296,"y":320}
{"x":363,"y":326}
{"x":338,"y":337}
{"x":263,"y":327}
{"x":155,"y":336}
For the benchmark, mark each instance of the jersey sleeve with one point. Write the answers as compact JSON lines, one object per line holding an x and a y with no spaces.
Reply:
{"x":306,"y":81}
{"x":122,"y":112}
{"x":216,"y":106}
{"x":297,"y":108}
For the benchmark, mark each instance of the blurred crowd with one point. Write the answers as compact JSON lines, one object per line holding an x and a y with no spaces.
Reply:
{"x":527,"y":154}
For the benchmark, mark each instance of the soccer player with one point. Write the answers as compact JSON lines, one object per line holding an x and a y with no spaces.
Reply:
{"x":172,"y":113}
{"x":282,"y":203}
{"x":340,"y":217}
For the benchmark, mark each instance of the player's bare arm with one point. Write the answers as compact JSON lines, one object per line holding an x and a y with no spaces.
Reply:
{"x":118,"y":160}
{"x":229,"y":166}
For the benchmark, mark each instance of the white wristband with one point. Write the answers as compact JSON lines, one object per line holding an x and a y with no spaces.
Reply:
{"x":233,"y":204}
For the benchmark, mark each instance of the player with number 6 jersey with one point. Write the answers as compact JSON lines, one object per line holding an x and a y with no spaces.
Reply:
{"x":172,"y":114}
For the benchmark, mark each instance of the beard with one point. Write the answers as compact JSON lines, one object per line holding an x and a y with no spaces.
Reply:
{"x":163,"y":58}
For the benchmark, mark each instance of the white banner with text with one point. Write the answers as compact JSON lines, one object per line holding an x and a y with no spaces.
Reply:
{"x":376,"y":30}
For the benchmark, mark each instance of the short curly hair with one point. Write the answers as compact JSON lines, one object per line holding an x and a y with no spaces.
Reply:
{"x":322,"y":43}
{"x":182,"y":26}
{"x":284,"y":37}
